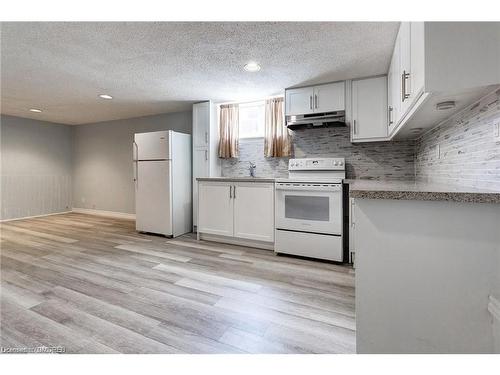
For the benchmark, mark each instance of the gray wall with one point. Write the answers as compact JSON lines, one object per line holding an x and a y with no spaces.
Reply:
{"x":377,"y":160}
{"x":469,"y":151}
{"x":35,"y":167}
{"x":102,"y":167}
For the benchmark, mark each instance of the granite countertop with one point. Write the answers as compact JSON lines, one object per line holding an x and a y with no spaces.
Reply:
{"x":236,"y":179}
{"x":419,"y":190}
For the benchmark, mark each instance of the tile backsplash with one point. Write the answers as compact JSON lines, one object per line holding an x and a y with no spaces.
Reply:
{"x":464,"y":150}
{"x":377,"y":160}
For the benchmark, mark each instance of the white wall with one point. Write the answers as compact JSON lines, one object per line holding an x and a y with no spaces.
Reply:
{"x":424,"y":273}
{"x":102,"y":168}
{"x":36,"y":159}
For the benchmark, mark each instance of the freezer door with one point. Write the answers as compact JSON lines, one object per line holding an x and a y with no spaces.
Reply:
{"x":153,"y":202}
{"x":152,"y":146}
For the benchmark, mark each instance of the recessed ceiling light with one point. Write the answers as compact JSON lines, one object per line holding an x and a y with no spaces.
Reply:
{"x":252,"y":67}
{"x":35,"y":110}
{"x":105,"y":96}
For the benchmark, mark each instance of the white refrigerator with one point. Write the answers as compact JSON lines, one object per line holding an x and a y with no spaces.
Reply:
{"x":163,"y":185}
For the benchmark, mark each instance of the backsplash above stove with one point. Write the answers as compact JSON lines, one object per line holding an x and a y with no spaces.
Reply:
{"x":377,"y":160}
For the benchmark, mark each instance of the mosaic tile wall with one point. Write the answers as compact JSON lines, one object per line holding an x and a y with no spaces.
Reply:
{"x":377,"y":160}
{"x":469,"y":151}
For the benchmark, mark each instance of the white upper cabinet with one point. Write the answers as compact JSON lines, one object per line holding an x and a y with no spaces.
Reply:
{"x":201,"y":124}
{"x":369,"y":109}
{"x":404,"y":37}
{"x":439,"y":61}
{"x":393,"y":90}
{"x":299,"y":101}
{"x":417,"y":62}
{"x":254,"y":211}
{"x":328,"y":97}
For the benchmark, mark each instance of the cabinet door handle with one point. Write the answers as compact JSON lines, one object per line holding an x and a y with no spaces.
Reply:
{"x":206,"y":137}
{"x":316,"y":101}
{"x":354,"y":130}
{"x":206,"y":155}
{"x":234,"y":191}
{"x":390,"y":115}
{"x":230,"y":191}
{"x":310,"y":102}
{"x":404,"y":77}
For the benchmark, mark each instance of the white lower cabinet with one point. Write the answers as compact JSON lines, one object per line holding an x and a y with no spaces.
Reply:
{"x":215,"y":208}
{"x":254,"y":211}
{"x":241,"y":210}
{"x":201,"y":168}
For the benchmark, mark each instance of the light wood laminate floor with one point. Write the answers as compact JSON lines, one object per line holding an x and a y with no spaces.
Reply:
{"x":93,"y":285}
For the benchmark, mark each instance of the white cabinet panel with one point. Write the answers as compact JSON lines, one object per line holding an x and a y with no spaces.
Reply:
{"x":352,"y":227}
{"x":201,"y":124}
{"x":417,"y":58}
{"x":200,"y":169}
{"x":329,"y":97}
{"x":404,"y":37}
{"x":315,"y":99}
{"x":369,"y":109}
{"x":206,"y":162}
{"x":299,"y":101}
{"x":254,"y":211}
{"x":394,"y":90}
{"x":215,"y":207}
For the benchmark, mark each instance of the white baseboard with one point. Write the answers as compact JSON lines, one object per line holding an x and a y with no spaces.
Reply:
{"x":35,"y":216}
{"x":237,"y":241}
{"x":113,"y":214}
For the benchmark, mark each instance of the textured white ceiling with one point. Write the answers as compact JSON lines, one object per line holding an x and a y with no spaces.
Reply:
{"x":152,"y":68}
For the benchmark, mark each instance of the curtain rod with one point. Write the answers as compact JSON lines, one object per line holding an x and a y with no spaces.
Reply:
{"x":252,"y":101}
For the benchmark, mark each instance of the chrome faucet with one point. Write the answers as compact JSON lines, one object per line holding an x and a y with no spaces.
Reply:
{"x":252,"y":169}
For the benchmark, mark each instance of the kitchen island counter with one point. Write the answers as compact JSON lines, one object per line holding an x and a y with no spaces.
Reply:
{"x":419,"y":190}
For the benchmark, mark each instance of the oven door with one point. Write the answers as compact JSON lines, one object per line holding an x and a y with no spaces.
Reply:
{"x":312,"y":208}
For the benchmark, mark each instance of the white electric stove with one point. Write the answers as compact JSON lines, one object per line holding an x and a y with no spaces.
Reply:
{"x":309,"y":216}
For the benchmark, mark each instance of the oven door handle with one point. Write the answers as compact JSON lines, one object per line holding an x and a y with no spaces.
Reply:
{"x":308,"y":188}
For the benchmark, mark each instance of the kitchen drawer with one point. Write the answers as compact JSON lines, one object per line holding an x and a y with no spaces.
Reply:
{"x":311,"y":245}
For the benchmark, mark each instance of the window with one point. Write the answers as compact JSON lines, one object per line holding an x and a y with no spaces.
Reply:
{"x":251,"y":120}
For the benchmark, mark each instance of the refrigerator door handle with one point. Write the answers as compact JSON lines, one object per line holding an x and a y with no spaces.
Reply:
{"x":136,"y":162}
{"x":136,"y":146}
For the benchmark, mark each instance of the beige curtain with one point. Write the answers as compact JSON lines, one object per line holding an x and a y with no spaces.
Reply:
{"x":277,"y":141}
{"x":228,"y":131}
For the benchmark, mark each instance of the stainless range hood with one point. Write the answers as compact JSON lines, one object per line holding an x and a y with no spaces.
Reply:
{"x":336,"y":118}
